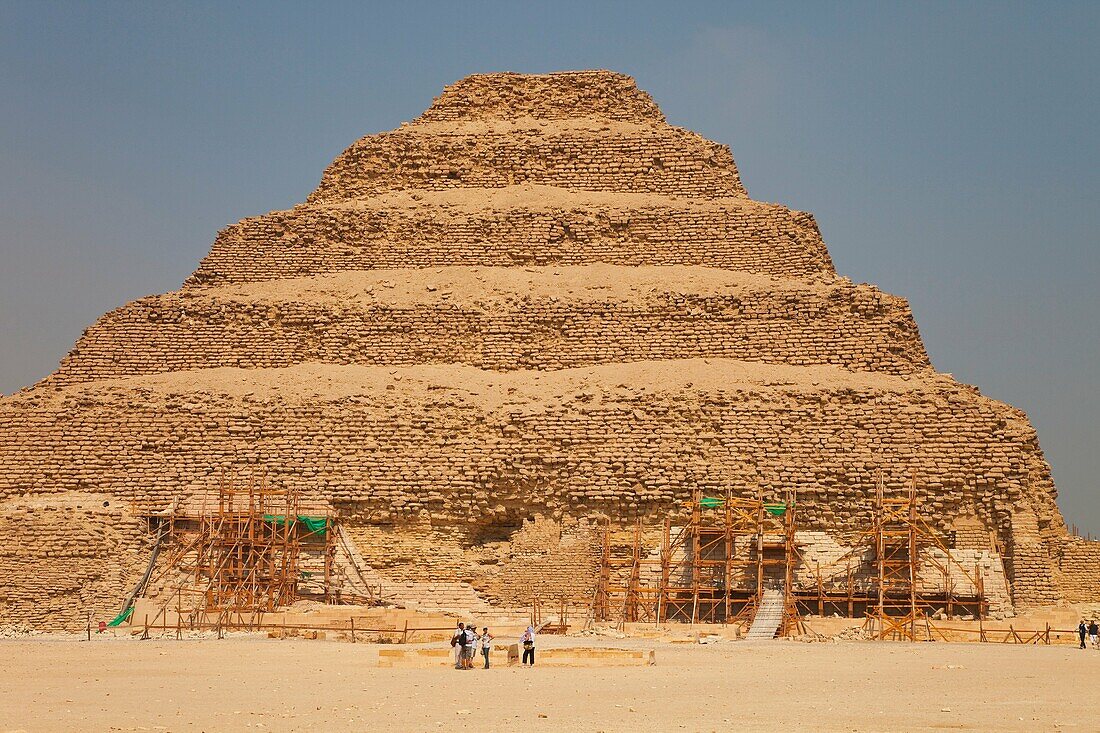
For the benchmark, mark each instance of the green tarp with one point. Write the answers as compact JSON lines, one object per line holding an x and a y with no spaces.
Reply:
{"x":121,"y":618}
{"x":712,"y":502}
{"x":316,"y":525}
{"x":313,"y":525}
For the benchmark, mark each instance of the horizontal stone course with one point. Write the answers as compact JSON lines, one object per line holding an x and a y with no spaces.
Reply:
{"x":623,"y":440}
{"x":636,"y":158}
{"x":541,"y":318}
{"x":308,"y":240}
{"x":563,"y":95}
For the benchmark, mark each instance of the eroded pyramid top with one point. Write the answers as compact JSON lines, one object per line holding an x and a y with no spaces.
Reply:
{"x":560,"y":95}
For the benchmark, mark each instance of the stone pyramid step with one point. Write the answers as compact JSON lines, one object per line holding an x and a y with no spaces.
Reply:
{"x":518,"y":225}
{"x":504,"y":319}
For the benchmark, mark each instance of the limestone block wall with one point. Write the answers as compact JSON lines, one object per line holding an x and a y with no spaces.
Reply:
{"x":969,"y":533}
{"x":561,"y":564}
{"x":634,"y":447}
{"x":964,"y":567}
{"x":368,"y":347}
{"x":1079,"y":569}
{"x":60,"y":563}
{"x":822,"y":553}
{"x":508,"y":563}
{"x":1030,"y":553}
{"x":362,"y":321}
{"x":612,"y":157}
{"x":419,"y":550}
{"x":624,"y":441}
{"x":563,"y":95}
{"x":1032,"y":571}
{"x":755,"y":238}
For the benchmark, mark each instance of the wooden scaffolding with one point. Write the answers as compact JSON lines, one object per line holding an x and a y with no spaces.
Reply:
{"x":255,"y":549}
{"x":712,"y":569}
{"x":717,"y":565}
{"x":902,"y":542}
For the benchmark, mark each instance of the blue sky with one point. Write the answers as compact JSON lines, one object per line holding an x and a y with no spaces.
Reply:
{"x":948,"y":150}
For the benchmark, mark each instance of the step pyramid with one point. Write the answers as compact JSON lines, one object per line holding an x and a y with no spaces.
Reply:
{"x":536,"y":305}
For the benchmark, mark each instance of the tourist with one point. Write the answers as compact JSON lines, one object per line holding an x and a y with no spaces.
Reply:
{"x":1082,"y":631}
{"x":471,"y":645}
{"x":458,"y":641}
{"x":1094,"y":634}
{"x":528,"y":643}
{"x":486,"y":644}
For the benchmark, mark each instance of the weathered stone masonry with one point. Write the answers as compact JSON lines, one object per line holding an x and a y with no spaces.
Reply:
{"x":733,"y":234}
{"x":536,"y":308}
{"x":853,"y":326}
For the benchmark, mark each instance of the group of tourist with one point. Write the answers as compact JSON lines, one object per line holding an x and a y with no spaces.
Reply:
{"x":1092,"y":631}
{"x":466,"y":641}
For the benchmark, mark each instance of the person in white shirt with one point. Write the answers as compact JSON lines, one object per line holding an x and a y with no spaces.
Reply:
{"x":471,"y":646}
{"x":486,"y":645}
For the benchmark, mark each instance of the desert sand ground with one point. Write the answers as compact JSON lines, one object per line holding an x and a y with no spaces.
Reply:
{"x":297,"y":685}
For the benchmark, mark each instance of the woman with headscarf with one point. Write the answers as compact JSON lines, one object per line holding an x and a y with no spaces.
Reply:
{"x":527,"y":641}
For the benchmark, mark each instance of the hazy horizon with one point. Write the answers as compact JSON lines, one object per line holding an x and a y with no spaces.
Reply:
{"x":949,"y":153}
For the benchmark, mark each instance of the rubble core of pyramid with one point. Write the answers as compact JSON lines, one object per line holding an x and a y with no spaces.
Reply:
{"x":537,"y":306}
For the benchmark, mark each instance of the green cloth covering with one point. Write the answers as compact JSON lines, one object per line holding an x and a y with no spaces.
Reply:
{"x":121,"y":618}
{"x":712,"y":502}
{"x":313,"y":525}
{"x":776,"y":510}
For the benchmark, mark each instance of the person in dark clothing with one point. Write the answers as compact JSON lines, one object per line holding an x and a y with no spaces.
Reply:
{"x":528,"y":643}
{"x":1094,"y":634}
{"x":1082,"y":631}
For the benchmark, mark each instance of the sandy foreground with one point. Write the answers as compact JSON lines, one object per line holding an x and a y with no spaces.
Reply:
{"x":297,"y":685}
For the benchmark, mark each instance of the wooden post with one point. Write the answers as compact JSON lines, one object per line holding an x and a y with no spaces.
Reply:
{"x":879,"y":547}
{"x":851,"y":589}
{"x":696,"y":522}
{"x":405,"y":633}
{"x":820,"y":590}
{"x":759,"y":544}
{"x":666,"y":562}
{"x":981,"y":590}
{"x":353,"y":629}
{"x":913,"y":559}
{"x":948,"y":586}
